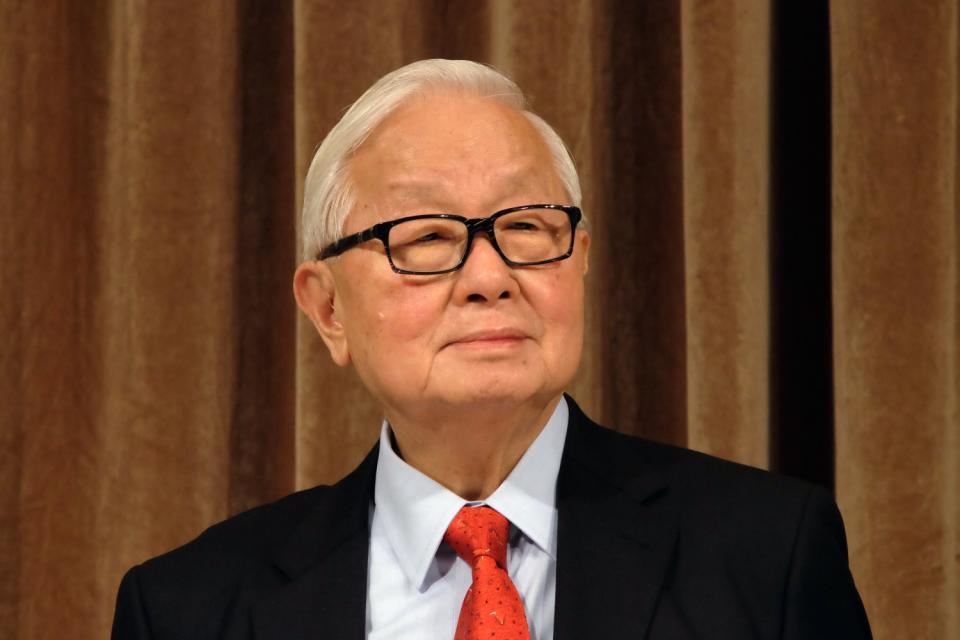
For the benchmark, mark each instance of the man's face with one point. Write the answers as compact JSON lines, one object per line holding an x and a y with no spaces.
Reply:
{"x":488,"y":332}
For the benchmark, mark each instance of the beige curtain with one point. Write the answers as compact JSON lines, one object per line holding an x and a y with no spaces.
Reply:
{"x":896,"y":308}
{"x":155,"y":376}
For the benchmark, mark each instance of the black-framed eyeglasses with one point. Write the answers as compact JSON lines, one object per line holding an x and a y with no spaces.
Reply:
{"x":435,"y":243}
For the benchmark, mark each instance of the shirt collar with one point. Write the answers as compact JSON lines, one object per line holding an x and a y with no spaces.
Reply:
{"x":415,"y":510}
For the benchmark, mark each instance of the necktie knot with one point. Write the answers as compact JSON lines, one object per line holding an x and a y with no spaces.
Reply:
{"x":479,"y":532}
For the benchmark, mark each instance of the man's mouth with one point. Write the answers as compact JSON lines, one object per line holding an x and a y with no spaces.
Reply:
{"x":490,"y":338}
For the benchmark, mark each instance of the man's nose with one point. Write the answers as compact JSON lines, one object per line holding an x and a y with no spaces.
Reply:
{"x":485,"y":277}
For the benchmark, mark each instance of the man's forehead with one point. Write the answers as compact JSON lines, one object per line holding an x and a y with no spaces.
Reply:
{"x":432,"y":153}
{"x":431,"y":182}
{"x":453,"y":127}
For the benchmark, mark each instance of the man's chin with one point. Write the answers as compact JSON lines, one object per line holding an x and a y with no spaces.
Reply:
{"x":492,"y":388}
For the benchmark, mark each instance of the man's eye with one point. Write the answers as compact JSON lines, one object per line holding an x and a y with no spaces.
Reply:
{"x":429,"y":237}
{"x":523,"y":225}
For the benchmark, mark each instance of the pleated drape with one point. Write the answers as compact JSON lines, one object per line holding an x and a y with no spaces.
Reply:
{"x":895,"y":286}
{"x":726,"y":131}
{"x":155,"y":376}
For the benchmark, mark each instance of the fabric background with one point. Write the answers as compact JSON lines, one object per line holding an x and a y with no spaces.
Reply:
{"x":772,"y":193}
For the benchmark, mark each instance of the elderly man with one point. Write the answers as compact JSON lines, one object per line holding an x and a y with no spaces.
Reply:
{"x":445,"y":261}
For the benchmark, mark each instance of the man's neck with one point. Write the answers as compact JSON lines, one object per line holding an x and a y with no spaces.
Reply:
{"x":469,"y":452}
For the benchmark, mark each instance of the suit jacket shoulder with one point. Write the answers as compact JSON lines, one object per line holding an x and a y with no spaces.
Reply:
{"x":696,"y":546}
{"x":726,"y":496}
{"x":206,"y":588}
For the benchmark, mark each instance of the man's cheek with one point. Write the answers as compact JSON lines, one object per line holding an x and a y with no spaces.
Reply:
{"x":411,"y":320}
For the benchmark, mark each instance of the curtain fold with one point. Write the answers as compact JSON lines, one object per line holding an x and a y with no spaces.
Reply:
{"x":895,"y":308}
{"x":726,"y":134}
{"x":155,"y":376}
{"x":262,"y":415}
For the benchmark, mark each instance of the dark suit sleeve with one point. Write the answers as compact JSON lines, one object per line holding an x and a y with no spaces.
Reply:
{"x":821,"y":599}
{"x":129,"y":619}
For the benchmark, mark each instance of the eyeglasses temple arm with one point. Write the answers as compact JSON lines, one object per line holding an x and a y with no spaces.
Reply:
{"x":348,"y":242}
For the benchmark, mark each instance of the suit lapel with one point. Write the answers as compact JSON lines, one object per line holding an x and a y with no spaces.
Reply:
{"x":616,"y":536}
{"x":325,"y":563}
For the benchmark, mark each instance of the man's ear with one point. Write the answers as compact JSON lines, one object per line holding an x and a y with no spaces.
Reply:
{"x":583,"y":239}
{"x":315,"y":289}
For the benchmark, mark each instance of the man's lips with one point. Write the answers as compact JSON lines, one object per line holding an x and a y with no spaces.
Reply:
{"x":489,"y":338}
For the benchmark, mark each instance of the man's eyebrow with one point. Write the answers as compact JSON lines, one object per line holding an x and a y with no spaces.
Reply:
{"x":421,"y":194}
{"x":415,"y":185}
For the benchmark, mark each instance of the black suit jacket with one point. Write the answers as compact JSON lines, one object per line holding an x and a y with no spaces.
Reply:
{"x":655,"y":542}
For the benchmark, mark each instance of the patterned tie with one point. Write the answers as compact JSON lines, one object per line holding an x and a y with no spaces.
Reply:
{"x":492,"y":608}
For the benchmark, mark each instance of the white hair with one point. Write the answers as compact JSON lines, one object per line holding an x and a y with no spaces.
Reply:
{"x":328,"y":193}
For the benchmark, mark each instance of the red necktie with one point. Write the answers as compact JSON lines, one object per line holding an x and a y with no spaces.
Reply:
{"x":492,"y":608}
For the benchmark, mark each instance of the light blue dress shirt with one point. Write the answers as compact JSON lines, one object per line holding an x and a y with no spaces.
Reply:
{"x":417,"y":583}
